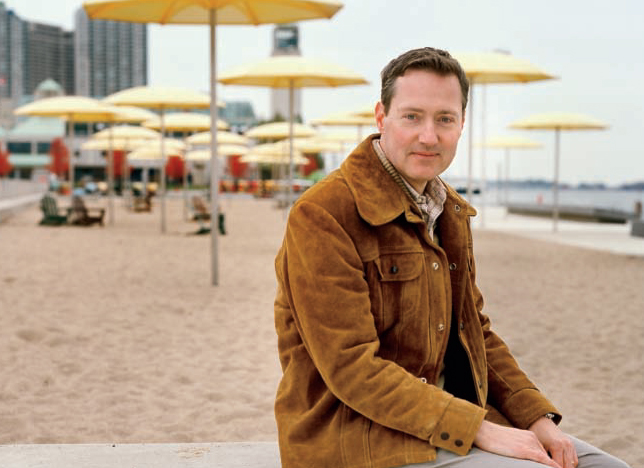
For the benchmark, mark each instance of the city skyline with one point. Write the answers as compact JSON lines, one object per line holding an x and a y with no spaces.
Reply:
{"x":595,"y":51}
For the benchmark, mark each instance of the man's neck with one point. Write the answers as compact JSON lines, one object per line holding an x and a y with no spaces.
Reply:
{"x":419,"y":189}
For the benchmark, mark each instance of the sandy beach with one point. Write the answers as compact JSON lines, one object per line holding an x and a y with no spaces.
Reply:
{"x":114,"y":334}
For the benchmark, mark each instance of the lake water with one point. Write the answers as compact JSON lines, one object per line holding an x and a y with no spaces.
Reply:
{"x":615,"y":199}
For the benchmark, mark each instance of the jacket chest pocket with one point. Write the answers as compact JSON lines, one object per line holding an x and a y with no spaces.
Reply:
{"x":397,"y":295}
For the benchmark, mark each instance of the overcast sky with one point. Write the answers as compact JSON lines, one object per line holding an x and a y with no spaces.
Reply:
{"x":595,"y":48}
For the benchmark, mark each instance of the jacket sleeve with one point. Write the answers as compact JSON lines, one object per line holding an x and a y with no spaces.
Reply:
{"x":323,"y":279}
{"x":509,"y":388}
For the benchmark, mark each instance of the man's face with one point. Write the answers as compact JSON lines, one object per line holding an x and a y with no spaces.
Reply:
{"x":420,"y":133}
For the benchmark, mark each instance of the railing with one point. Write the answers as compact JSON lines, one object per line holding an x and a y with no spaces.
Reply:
{"x":15,"y":188}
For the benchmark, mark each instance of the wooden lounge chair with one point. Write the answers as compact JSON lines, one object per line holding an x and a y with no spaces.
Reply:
{"x":200,"y":209}
{"x":52,"y":215}
{"x":80,"y":215}
{"x":140,"y":203}
{"x":201,"y":213}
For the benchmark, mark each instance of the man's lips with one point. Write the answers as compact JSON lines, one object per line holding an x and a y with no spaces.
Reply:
{"x":426,"y":154}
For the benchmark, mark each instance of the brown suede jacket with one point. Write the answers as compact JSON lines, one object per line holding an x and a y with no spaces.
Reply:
{"x":363,"y":314}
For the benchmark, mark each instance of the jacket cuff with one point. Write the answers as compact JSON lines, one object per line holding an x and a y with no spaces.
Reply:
{"x":526,"y":406}
{"x":458,"y":426}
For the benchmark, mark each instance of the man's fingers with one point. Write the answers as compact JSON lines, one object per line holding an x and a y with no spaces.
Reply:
{"x":558,"y":455}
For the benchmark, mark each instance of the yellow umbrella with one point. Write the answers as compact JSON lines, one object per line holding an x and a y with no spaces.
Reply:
{"x":343,"y":119}
{"x":346,"y":120}
{"x":160,"y":98}
{"x":184,"y":122}
{"x":132,"y":134}
{"x":212,"y":12}
{"x":74,"y":109}
{"x":117,"y":144}
{"x":132,"y":114}
{"x":151,"y":149}
{"x":125,"y":132}
{"x":314,"y":145}
{"x":272,"y":159}
{"x":368,"y":110}
{"x":558,"y":121}
{"x":492,"y":68}
{"x":222,"y":150}
{"x":292,"y":71}
{"x":507,"y":143}
{"x":204,"y":138}
{"x":279,"y":130}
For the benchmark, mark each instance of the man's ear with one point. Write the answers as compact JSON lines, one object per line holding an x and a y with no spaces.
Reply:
{"x":380,"y":116}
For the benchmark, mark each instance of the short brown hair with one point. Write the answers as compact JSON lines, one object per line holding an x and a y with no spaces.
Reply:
{"x":425,"y":58}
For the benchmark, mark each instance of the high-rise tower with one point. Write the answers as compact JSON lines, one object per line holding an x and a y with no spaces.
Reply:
{"x":110,"y":55}
{"x":286,"y":38}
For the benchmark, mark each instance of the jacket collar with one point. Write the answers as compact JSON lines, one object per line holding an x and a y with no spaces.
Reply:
{"x":378,"y":197}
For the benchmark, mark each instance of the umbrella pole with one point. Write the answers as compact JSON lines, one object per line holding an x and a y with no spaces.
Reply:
{"x":291,"y":93}
{"x":125,"y":179}
{"x":185,"y":185}
{"x":214,"y":160}
{"x":483,"y":196}
{"x":162,"y":171}
{"x":70,"y":124}
{"x":470,"y":144}
{"x":110,"y":177}
{"x":507,"y":178}
{"x":555,"y":187}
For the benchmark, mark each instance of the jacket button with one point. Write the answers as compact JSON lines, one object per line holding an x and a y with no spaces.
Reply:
{"x":452,"y":266}
{"x":457,"y":208}
{"x":435,"y":266}
{"x":394,"y":269}
{"x":441,"y":327}
{"x":444,"y":435}
{"x":423,"y":380}
{"x":458,"y":442}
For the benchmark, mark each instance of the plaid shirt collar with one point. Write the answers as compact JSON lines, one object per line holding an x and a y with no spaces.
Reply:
{"x":431,"y":202}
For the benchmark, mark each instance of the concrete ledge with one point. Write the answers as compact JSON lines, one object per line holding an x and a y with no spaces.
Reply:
{"x":203,"y":455}
{"x":637,"y":228}
{"x":9,"y":206}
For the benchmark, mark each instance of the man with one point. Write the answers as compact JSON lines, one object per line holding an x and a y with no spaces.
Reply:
{"x":387,"y":357}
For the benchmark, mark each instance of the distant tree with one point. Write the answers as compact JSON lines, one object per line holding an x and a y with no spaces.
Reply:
{"x":59,"y":157}
{"x":174,"y":168}
{"x":5,"y":165}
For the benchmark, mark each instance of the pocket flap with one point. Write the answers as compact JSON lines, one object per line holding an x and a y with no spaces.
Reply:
{"x":400,"y":266}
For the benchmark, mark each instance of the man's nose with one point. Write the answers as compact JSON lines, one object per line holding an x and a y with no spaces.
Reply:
{"x":428,"y":134}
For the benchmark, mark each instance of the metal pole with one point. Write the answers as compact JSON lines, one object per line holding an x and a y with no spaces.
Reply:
{"x":70,"y":124}
{"x":483,"y":199}
{"x":214,"y":160}
{"x":291,"y":95}
{"x":162,"y":171}
{"x":110,"y":177}
{"x":185,"y":183}
{"x":555,"y":188}
{"x":470,"y":143}
{"x":507,"y":177}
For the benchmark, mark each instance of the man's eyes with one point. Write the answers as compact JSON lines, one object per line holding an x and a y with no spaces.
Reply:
{"x":443,"y":119}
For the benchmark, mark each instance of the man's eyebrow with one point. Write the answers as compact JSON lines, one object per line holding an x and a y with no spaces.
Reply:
{"x":449,"y":111}
{"x":418,"y":110}
{"x":411,"y":109}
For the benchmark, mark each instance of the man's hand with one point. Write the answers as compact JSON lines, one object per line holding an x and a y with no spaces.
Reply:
{"x":557,"y":443}
{"x":515,"y":443}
